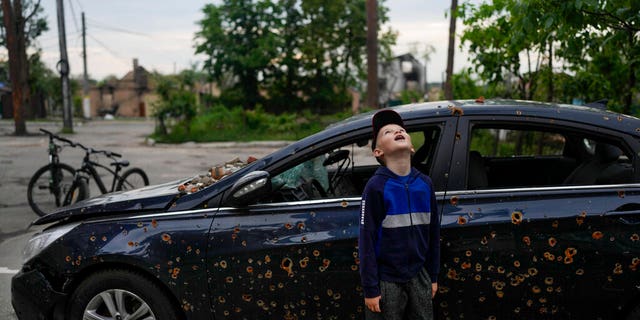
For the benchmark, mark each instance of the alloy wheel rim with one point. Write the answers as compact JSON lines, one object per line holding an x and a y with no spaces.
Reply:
{"x":117,"y":304}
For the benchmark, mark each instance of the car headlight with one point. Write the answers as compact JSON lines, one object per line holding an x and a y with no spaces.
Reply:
{"x":43,"y":239}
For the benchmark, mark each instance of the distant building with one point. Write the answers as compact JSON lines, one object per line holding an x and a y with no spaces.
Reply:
{"x":403,"y":72}
{"x":131,"y":96}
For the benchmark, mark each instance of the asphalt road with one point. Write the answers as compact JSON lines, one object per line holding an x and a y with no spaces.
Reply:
{"x":20,"y":157}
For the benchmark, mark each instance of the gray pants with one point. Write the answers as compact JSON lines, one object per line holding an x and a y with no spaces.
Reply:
{"x":405,"y":301}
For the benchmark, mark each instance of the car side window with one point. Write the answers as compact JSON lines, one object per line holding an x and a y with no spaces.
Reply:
{"x":343,"y":171}
{"x":521,"y":157}
{"x":337,"y":173}
{"x":425,"y":142}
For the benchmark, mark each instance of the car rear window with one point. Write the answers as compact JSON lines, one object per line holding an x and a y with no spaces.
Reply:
{"x":502,"y":156}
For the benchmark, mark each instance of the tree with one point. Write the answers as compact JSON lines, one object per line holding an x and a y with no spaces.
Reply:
{"x":21,"y":26}
{"x":505,"y":40}
{"x":238,"y":37}
{"x":288,"y":55}
{"x":465,"y":87}
{"x":602,"y":39}
{"x":594,"y":41}
{"x":177,"y":103}
{"x":333,"y":50}
{"x":35,"y":23}
{"x":44,"y":83}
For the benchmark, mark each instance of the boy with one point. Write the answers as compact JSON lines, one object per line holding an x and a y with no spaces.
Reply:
{"x":399,"y":243}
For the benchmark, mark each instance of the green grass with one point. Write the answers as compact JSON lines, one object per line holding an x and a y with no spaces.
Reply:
{"x":223,"y":124}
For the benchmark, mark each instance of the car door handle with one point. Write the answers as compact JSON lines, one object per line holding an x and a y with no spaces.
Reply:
{"x":631,"y":221}
{"x":630,"y":214}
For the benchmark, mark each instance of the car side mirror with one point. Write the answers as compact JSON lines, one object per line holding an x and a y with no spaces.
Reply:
{"x":254,"y":185}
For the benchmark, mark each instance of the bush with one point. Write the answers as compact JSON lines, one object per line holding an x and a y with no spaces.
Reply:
{"x":222,"y":124}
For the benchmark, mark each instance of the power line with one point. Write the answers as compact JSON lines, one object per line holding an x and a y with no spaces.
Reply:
{"x":106,"y":27}
{"x":113,"y":53}
{"x":80,"y":5}
{"x":55,"y":38}
{"x":78,"y":39}
{"x":73,"y":14}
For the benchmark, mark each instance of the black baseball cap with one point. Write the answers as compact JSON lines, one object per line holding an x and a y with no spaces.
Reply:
{"x":381,"y":119}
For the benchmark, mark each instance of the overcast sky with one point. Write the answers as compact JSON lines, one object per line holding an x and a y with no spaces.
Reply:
{"x":160,"y":33}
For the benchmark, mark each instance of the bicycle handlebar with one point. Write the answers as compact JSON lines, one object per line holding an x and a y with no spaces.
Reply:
{"x":94,"y":151}
{"x":58,"y":137}
{"x":109,"y":154}
{"x":87,"y":149}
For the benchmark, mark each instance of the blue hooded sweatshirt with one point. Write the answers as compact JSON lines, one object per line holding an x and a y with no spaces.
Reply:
{"x":399,"y":229}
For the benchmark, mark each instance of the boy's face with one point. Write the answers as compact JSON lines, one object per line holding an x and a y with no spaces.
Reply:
{"x":392,"y":138}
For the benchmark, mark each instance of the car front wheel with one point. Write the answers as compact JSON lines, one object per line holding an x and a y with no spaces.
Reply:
{"x":120,"y":294}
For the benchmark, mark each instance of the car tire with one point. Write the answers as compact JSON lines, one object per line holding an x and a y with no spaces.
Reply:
{"x":124,"y":292}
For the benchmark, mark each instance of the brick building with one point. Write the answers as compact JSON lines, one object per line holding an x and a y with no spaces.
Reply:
{"x":130,"y":96}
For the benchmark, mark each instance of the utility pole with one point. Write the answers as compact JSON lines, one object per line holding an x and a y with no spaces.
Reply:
{"x":86,"y":102}
{"x":63,"y":68}
{"x":550,"y":93}
{"x":372,"y":54}
{"x":448,"y":90}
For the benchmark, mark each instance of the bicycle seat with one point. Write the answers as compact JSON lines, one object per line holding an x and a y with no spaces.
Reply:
{"x":120,"y":163}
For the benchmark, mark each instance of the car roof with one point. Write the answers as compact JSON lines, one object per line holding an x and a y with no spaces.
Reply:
{"x":504,"y":107}
{"x":361,"y":124}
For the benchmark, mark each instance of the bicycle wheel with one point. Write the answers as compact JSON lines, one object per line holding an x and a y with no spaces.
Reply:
{"x":133,"y":178}
{"x":49,"y":186}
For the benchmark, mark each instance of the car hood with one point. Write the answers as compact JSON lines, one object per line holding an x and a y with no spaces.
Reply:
{"x":156,"y":197}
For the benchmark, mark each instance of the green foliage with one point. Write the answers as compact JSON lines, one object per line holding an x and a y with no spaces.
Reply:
{"x":237,"y":124}
{"x":602,"y":48}
{"x":177,"y":105}
{"x":41,"y":78}
{"x":284,"y":69}
{"x":500,"y":35}
{"x":411,"y":96}
{"x":592,"y":44}
{"x":465,"y":87}
{"x":34,"y":26}
{"x":515,"y":143}
{"x":46,"y":82}
{"x":288,"y":55}
{"x":181,"y":117}
{"x":76,"y":105}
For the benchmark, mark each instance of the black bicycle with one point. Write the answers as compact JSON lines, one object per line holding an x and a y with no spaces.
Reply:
{"x":50,"y":185}
{"x":58,"y":184}
{"x":132,"y":178}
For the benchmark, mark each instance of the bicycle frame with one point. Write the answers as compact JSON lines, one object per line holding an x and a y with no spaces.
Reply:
{"x":53,"y":151}
{"x":89,"y":167}
{"x":53,"y":176}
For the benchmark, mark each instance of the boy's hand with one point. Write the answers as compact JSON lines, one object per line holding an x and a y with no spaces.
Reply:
{"x":434,"y":289}
{"x":373,"y":303}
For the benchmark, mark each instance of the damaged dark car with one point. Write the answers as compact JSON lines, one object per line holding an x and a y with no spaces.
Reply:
{"x":539,"y":205}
